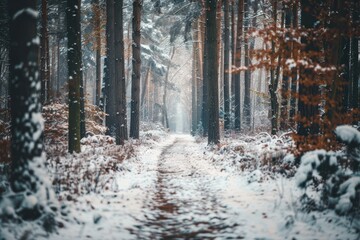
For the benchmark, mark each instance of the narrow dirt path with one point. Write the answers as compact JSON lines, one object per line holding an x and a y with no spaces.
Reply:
{"x":187,"y":201}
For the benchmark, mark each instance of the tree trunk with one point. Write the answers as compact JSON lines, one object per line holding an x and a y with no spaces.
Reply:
{"x":233,"y":53}
{"x":58,"y":64}
{"x":285,"y":80}
{"x":355,"y":56}
{"x":110,"y":70}
{"x":136,"y":62}
{"x":204,"y":110}
{"x":307,"y":110}
{"x":294,"y":71}
{"x":82,"y":102}
{"x":75,"y":72}
{"x":239,"y":34}
{"x":213,"y":87}
{"x":120,"y":84}
{"x":28,"y":171}
{"x":273,"y":79}
{"x":247,"y":100}
{"x":165,"y":119}
{"x":199,"y":71}
{"x":145,"y":87}
{"x":226,"y":66}
{"x":194,"y":81}
{"x":97,"y":19}
{"x":44,"y":52}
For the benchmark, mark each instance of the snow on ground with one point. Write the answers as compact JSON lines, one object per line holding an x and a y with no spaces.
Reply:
{"x":176,"y":188}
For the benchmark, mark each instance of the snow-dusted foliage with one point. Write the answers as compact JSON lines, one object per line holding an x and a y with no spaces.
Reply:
{"x":270,"y":154}
{"x":336,"y":173}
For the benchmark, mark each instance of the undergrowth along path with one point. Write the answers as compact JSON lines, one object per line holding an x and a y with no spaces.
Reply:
{"x":174,"y":189}
{"x":194,"y":199}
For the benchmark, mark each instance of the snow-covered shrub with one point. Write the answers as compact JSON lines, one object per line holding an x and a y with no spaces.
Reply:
{"x":56,"y":126}
{"x":92,"y":170}
{"x":56,"y":121}
{"x":335,"y":173}
{"x":152,"y":131}
{"x":270,"y":154}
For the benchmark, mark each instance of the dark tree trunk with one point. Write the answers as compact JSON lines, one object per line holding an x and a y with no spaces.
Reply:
{"x":239,"y":34}
{"x":345,"y":61}
{"x":136,"y":63}
{"x":44,"y":52}
{"x":274,"y":78}
{"x":28,"y":170}
{"x":58,"y":61}
{"x":110,"y":70}
{"x":354,"y":65}
{"x":233,"y":53}
{"x":4,"y":60}
{"x":204,"y":110}
{"x":97,"y":30}
{"x":213,"y":87}
{"x":294,"y":72}
{"x":194,"y":108}
{"x":120,"y":83}
{"x":285,"y":80}
{"x":226,"y":66}
{"x":75,"y":72}
{"x":306,"y":109}
{"x":82,"y":106}
{"x":247,"y":99}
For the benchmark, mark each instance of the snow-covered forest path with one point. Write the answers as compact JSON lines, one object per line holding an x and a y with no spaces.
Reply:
{"x":173,"y":190}
{"x":188,"y":199}
{"x":192,"y":198}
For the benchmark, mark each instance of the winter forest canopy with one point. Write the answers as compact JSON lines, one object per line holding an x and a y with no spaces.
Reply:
{"x":179,"y":119}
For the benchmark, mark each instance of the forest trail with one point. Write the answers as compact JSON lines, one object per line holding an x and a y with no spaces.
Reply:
{"x":172,"y":189}
{"x":193,"y":199}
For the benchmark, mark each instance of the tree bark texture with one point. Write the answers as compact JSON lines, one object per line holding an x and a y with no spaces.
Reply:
{"x":97,"y":30}
{"x":213,"y":88}
{"x":274,"y":78}
{"x":44,"y":53}
{"x":75,"y":72}
{"x":204,"y":110}
{"x":285,"y":79}
{"x":239,"y":39}
{"x":227,"y":122}
{"x":27,"y":178}
{"x":306,"y":109}
{"x":110,"y":70}
{"x":294,"y":72}
{"x":136,"y":63}
{"x":120,"y":83}
{"x":233,"y":53}
{"x":354,"y":65}
{"x":247,"y":99}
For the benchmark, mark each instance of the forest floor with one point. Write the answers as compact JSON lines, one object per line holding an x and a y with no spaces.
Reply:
{"x":176,"y":188}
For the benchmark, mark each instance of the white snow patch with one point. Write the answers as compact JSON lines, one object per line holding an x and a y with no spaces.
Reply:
{"x":33,"y":13}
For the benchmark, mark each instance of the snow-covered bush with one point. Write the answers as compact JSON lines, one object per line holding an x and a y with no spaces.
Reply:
{"x":335,"y":173}
{"x":92,"y":170}
{"x":270,"y":154}
{"x":56,"y":122}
